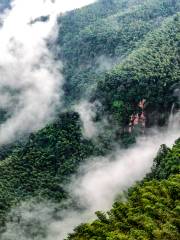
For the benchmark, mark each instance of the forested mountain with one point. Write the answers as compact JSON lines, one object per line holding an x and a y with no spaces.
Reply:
{"x":106,"y":32}
{"x":151,"y":72}
{"x":47,"y":159}
{"x":122,"y":55}
{"x":151,"y":210}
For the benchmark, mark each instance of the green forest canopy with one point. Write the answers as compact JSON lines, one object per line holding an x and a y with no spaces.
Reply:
{"x":152,"y":210}
{"x":141,"y":40}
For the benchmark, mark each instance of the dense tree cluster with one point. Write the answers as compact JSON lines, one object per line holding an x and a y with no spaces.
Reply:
{"x":119,"y":53}
{"x":151,"y":72}
{"x":164,"y":164}
{"x":151,"y":210}
{"x":107,"y":28}
{"x":44,"y":164}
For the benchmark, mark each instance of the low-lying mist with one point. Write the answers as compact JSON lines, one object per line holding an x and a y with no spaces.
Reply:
{"x":96,"y":186}
{"x":87,"y":113}
{"x":30,"y":77}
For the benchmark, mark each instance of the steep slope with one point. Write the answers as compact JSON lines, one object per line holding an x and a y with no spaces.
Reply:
{"x":44,"y":164}
{"x":151,"y":72}
{"x":166,"y":163}
{"x":94,"y":39}
{"x":150,"y":212}
{"x":118,"y":53}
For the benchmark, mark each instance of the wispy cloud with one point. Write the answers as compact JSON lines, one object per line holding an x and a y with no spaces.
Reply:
{"x":96,"y":185}
{"x":30,"y":78}
{"x":87,"y":112}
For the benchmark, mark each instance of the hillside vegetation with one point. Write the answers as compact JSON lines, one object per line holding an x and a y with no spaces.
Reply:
{"x":44,"y":164}
{"x":106,"y":31}
{"x":151,"y":72}
{"x":123,"y":55}
{"x":151,"y":210}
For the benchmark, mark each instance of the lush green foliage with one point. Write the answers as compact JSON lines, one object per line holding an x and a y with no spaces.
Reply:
{"x":166,"y":163}
{"x":151,"y":211}
{"x":44,"y":164}
{"x":7,"y":149}
{"x":108,"y":29}
{"x":137,"y":42}
{"x":151,"y":72}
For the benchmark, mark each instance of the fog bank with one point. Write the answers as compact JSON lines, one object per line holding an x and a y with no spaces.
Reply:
{"x":30,"y":77}
{"x":98,"y":184}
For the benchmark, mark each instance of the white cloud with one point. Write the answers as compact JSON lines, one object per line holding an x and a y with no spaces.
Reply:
{"x":87,"y":113}
{"x":98,"y":183}
{"x":101,"y":180}
{"x":30,"y":79}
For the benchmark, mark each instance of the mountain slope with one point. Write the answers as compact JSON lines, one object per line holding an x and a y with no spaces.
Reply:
{"x":94,"y":39}
{"x":151,"y":72}
{"x":44,"y":164}
{"x":119,"y":53}
{"x":150,"y":212}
